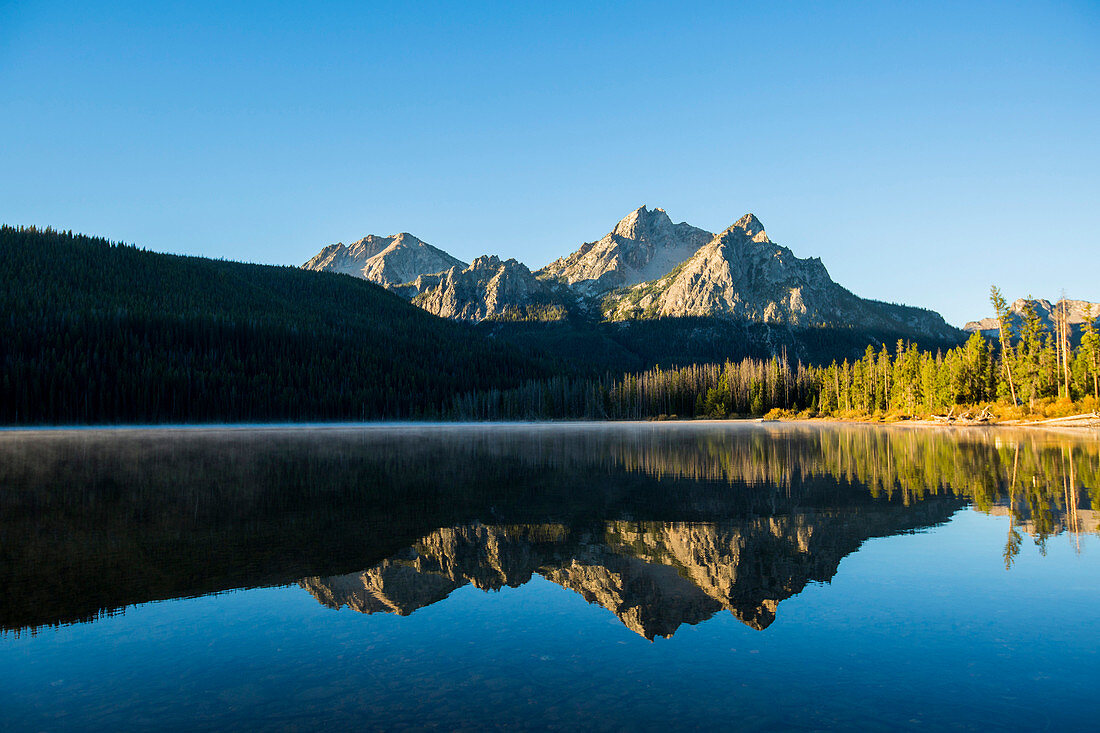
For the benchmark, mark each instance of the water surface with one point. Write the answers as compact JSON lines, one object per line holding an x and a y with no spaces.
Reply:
{"x":611,"y":576}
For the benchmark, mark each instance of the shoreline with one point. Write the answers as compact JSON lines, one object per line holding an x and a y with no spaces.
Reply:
{"x":1083,"y":423}
{"x":1084,"y":426}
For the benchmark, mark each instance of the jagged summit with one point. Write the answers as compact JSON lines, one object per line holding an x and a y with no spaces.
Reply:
{"x":641,"y":220}
{"x":493,"y":261}
{"x":389,"y":261}
{"x":750,"y":227}
{"x":643,"y":245}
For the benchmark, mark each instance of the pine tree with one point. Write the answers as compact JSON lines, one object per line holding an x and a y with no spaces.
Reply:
{"x":883,"y":379}
{"x":1001,"y":308}
{"x":1063,"y":343}
{"x":1090,"y":348}
{"x":1032,"y":351}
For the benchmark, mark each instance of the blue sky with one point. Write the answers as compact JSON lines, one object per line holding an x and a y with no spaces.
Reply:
{"x":922,"y":151}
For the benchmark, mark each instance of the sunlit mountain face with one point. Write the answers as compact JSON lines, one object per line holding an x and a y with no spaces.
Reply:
{"x":663,"y":525}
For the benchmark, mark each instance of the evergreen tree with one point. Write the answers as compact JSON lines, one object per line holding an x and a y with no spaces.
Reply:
{"x":1001,"y":309}
{"x":1090,"y":351}
{"x":1031,"y":348}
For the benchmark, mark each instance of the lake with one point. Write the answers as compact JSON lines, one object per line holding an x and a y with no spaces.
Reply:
{"x":614,"y":576}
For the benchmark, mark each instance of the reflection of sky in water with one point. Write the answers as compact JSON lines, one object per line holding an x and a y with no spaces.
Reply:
{"x":923,"y":629}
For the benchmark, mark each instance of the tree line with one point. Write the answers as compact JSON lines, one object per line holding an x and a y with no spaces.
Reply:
{"x":1024,"y":372}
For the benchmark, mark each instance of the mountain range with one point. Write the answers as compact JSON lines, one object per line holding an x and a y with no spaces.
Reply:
{"x":645,"y":268}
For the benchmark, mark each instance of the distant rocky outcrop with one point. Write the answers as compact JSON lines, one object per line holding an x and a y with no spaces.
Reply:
{"x":644,"y":245}
{"x":742,"y":274}
{"x":490,"y":288}
{"x":1077,"y":310}
{"x":388,"y":261}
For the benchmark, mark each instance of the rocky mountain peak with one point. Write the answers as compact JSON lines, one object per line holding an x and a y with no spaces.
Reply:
{"x":487,"y":262}
{"x":374,"y":244}
{"x":643,"y":245}
{"x":750,"y":227}
{"x":642,"y":221}
{"x":387,"y":260}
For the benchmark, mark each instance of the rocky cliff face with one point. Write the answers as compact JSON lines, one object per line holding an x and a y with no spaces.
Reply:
{"x":741,"y":274}
{"x":644,"y":245}
{"x":388,"y":261}
{"x":654,"y":576}
{"x":488,"y":289}
{"x":1077,"y":310}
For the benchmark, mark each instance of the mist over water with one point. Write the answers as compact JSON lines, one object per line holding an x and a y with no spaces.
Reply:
{"x":605,"y":575}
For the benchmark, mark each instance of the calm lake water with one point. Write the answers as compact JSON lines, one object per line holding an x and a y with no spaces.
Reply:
{"x":612,"y":576}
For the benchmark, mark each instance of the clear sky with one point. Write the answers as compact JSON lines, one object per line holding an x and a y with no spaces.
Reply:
{"x":923,"y":151}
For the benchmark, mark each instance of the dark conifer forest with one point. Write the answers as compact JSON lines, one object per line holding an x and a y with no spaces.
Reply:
{"x":97,"y":332}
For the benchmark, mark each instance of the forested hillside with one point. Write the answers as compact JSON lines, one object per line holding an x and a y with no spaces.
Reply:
{"x":92,"y":331}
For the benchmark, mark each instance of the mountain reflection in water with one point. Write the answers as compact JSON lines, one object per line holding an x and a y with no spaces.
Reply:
{"x":653,"y":576}
{"x":662,"y":524}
